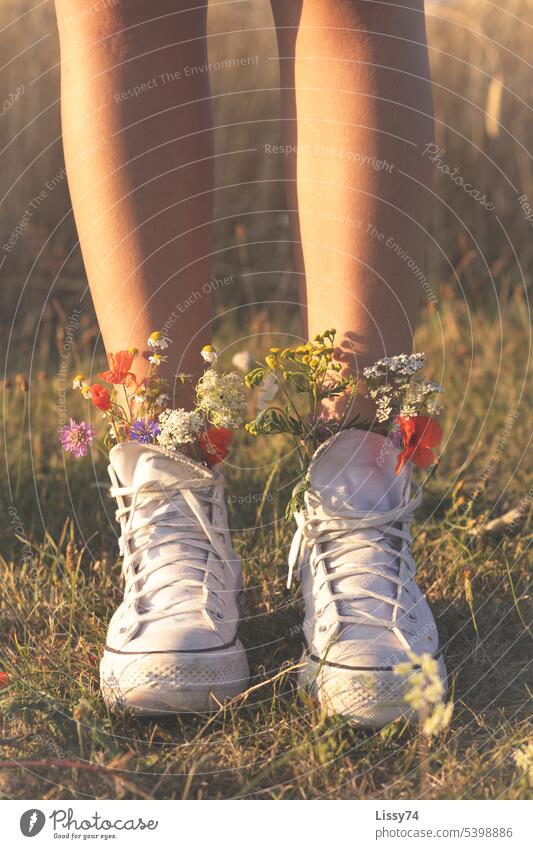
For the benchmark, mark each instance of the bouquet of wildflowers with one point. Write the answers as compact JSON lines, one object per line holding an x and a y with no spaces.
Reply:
{"x":138,"y":410}
{"x":302,"y":377}
{"x":296,"y":383}
{"x":407,"y":406}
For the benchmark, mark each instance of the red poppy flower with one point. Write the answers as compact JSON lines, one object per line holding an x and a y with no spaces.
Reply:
{"x":215,"y":444}
{"x":100,"y":397}
{"x":420,"y":434}
{"x":120,"y":364}
{"x":4,"y":679}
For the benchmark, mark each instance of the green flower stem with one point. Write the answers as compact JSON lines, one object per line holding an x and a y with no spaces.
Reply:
{"x":127,"y":401}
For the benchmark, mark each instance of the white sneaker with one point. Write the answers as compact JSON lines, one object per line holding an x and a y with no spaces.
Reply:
{"x":363,"y":609}
{"x":172,"y":644}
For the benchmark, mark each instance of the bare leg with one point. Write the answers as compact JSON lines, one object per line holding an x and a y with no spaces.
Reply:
{"x":137,"y":134}
{"x":357,"y":102}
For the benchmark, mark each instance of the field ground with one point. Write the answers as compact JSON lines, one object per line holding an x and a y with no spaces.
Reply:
{"x":275,"y":743}
{"x":58,"y":568}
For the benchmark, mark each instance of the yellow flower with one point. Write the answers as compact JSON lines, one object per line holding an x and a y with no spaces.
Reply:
{"x":77,"y":382}
{"x":271,"y":361}
{"x":275,"y":350}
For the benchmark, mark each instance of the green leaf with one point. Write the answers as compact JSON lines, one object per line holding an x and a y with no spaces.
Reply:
{"x":255,"y":377}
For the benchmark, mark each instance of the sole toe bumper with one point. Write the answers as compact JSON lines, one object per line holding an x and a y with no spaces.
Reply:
{"x":368,"y":699}
{"x":162,"y":683}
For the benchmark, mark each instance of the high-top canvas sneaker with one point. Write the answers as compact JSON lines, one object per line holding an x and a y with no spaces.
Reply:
{"x":172,"y":644}
{"x":363,"y":609}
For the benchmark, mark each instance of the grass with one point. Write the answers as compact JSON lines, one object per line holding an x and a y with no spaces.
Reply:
{"x":58,"y":741}
{"x":59,"y":568}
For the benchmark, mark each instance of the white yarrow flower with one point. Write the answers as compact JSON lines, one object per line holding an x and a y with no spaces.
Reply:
{"x":425,"y":692}
{"x":222,"y":398}
{"x":178,"y":427}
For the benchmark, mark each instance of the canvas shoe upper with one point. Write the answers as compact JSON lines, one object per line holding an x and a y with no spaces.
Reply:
{"x":363,"y":608}
{"x":183,"y":581}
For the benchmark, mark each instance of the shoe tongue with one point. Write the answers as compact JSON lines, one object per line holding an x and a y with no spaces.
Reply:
{"x":355,"y":471}
{"x":135,"y":464}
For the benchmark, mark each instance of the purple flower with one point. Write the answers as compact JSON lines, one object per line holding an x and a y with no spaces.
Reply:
{"x":76,"y":437}
{"x":144,"y":430}
{"x":324,"y":427}
{"x":395,"y":436}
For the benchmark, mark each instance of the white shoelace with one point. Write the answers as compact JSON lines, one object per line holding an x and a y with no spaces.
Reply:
{"x":195,"y":531}
{"x":318,"y":529}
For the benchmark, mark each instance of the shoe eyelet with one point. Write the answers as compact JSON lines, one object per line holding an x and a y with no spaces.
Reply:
{"x":323,"y":628}
{"x":319,"y":612}
{"x":219,"y":616}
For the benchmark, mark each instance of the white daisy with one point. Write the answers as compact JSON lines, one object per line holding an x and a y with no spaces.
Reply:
{"x":209,"y":354}
{"x":158,"y":340}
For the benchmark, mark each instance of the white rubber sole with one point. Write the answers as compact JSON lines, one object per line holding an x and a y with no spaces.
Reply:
{"x":366,"y":698}
{"x":173,"y":682}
